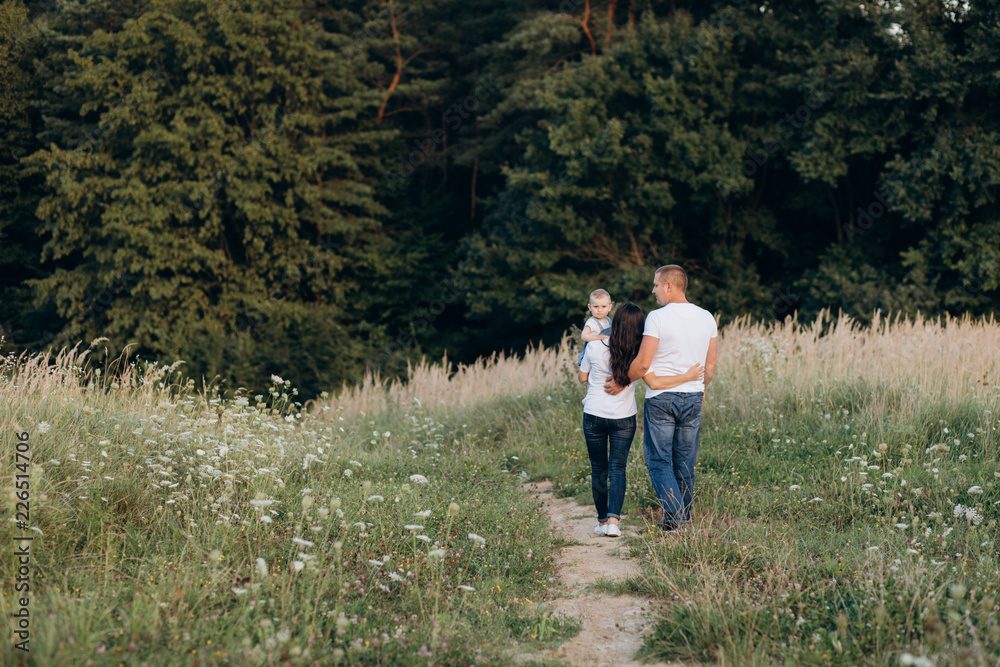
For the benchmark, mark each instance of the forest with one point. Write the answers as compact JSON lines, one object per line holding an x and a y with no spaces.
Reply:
{"x":320,"y":189}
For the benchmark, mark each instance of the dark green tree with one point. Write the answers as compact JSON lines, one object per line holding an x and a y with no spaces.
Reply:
{"x":21,"y":324}
{"x":219,"y":213}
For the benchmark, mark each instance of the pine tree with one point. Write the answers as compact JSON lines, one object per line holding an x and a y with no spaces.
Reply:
{"x":216,"y":214}
{"x":21,"y":325}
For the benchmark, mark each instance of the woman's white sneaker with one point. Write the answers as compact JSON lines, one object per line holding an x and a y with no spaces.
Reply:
{"x":601,"y":530}
{"x":612,"y":530}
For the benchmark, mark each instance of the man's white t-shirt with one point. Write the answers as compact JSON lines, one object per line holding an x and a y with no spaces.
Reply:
{"x":685,"y":331}
{"x":598,"y":402}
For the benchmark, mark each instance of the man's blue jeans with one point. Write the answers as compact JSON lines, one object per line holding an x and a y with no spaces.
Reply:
{"x":671,"y":425}
{"x":608,"y":444}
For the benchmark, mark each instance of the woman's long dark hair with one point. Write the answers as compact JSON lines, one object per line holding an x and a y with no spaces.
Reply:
{"x":626,"y":337}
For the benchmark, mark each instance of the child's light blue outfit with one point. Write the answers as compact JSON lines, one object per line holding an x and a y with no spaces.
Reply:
{"x":595,"y":326}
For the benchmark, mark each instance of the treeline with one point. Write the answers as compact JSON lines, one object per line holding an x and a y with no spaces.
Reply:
{"x":312,"y":188}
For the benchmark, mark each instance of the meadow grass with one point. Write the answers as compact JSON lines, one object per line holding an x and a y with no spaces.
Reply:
{"x":174,"y":527}
{"x":846,"y":502}
{"x":846,"y":509}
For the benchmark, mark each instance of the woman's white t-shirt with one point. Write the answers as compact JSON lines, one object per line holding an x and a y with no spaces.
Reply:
{"x":598,"y":402}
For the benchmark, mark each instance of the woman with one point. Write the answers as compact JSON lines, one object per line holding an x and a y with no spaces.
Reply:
{"x":609,"y":420}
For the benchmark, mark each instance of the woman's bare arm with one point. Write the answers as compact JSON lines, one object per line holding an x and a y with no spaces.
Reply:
{"x":583,"y":376}
{"x":670,"y":381}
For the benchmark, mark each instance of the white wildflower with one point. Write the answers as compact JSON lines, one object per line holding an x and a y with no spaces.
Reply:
{"x":909,"y":660}
{"x":418,"y":479}
{"x":477,"y":538}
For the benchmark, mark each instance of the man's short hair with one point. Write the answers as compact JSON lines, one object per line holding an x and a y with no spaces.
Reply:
{"x":675,"y":275}
{"x":599,"y":293}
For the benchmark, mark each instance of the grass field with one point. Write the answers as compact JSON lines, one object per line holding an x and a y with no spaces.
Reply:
{"x":848,"y":493}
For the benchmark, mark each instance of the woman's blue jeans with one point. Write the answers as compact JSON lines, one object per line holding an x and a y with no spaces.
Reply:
{"x":608,"y":443}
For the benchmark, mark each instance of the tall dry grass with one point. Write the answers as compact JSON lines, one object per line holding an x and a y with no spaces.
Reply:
{"x":438,"y":385}
{"x":894,"y":366}
{"x":70,"y":374}
{"x":947,"y":358}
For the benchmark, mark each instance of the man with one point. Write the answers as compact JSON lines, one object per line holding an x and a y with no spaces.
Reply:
{"x":676,"y":336}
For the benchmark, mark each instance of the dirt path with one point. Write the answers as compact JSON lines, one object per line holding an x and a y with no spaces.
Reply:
{"x":613,"y":626}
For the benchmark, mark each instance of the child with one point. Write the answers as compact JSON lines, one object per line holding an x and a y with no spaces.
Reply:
{"x":598,"y":326}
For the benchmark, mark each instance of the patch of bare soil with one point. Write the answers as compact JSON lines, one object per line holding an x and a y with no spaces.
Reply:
{"x":613,"y":625}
